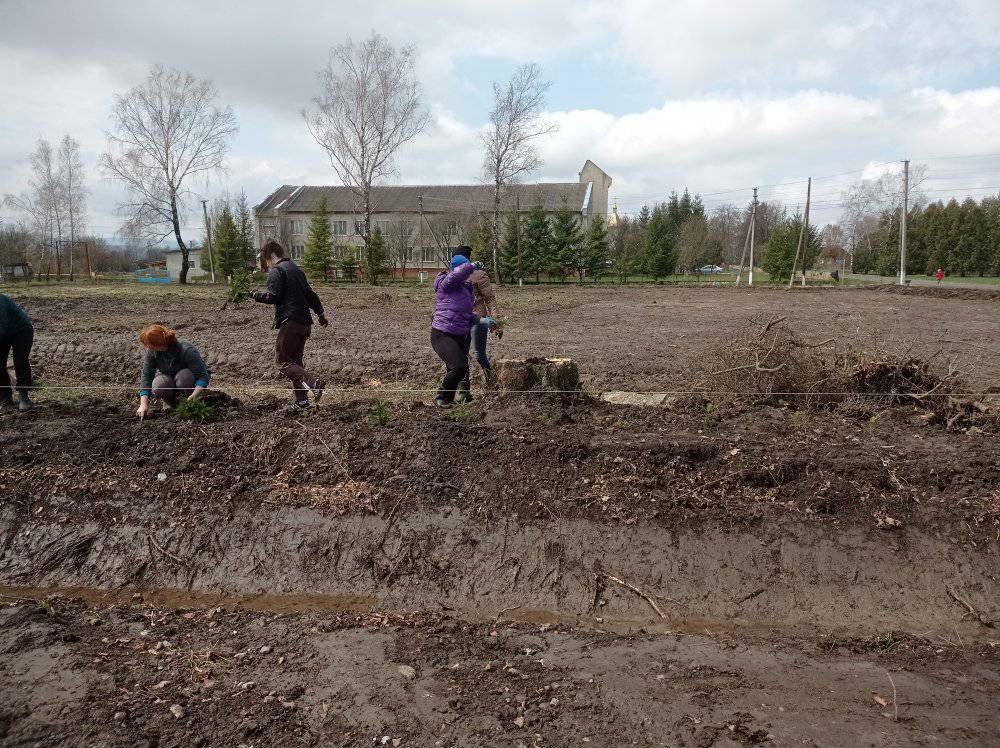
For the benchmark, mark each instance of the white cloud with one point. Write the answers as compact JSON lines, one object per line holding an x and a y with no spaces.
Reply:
{"x":760,"y":92}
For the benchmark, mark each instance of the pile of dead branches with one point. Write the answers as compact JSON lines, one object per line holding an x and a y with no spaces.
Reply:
{"x":900,"y":380}
{"x":767,"y":360}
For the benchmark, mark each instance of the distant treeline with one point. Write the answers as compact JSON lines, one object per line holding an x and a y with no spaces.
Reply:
{"x":960,"y":238}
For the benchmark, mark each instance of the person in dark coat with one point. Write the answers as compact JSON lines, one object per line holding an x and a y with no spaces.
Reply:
{"x":17,"y":335}
{"x":453,"y":318}
{"x":293,"y":299}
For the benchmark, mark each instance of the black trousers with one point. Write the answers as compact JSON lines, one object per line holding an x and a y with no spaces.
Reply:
{"x":20,"y":343}
{"x":454,"y":351}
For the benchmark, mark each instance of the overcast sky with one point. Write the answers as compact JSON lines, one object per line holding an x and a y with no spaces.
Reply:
{"x":715,"y":96}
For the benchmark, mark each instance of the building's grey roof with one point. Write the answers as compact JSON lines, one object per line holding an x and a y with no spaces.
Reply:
{"x":437,"y":198}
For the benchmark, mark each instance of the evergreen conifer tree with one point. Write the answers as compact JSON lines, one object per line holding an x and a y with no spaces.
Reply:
{"x":317,"y":260}
{"x":243,"y":218}
{"x":347,"y":262}
{"x":536,"y":242}
{"x":782,"y":245}
{"x":594,"y":258}
{"x":660,"y":255}
{"x":376,"y":257}
{"x":566,"y":241}
{"x":511,"y":248}
{"x":225,"y":244}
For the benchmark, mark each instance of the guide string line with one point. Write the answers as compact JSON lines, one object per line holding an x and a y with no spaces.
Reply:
{"x":428,"y":390}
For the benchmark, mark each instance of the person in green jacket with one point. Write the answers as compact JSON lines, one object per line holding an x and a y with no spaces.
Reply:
{"x":17,"y":335}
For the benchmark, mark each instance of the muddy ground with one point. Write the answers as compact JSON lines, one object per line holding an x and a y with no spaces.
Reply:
{"x":537,"y":570}
{"x":624,"y":338}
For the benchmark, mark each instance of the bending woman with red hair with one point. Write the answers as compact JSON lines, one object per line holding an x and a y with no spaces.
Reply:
{"x":171,"y":370}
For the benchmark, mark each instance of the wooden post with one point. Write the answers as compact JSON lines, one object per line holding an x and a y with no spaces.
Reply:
{"x":208,"y":230}
{"x":904,"y":208}
{"x":803,"y":234}
{"x":86,"y":249}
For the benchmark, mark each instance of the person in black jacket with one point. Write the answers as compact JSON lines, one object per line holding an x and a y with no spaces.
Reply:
{"x":293,"y":298}
{"x":16,"y":335}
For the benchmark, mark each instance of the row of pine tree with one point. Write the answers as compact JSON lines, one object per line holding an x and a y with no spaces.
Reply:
{"x":960,"y":238}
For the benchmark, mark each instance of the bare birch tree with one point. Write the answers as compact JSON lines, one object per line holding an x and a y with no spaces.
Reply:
{"x":370,"y":104}
{"x":74,"y":191}
{"x":44,"y":204}
{"x":865,"y":201}
{"x":510,"y":143}
{"x":165,"y":131}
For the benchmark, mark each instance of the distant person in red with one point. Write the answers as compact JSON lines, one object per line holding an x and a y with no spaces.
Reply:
{"x":939,"y":275}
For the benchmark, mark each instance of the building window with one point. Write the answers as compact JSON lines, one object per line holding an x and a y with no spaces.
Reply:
{"x":382,"y":226}
{"x":450,"y":228}
{"x":297,"y":250}
{"x":296,"y":226}
{"x":339,"y":228}
{"x":427,"y":254}
{"x":408,"y":254}
{"x":359,"y":228}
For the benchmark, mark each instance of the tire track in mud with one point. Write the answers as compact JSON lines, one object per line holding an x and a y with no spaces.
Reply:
{"x":791,"y":578}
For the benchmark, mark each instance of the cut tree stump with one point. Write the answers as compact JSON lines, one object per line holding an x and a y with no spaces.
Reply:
{"x":541,"y":374}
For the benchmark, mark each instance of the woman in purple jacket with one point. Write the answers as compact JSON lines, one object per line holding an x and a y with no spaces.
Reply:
{"x":453,"y":316}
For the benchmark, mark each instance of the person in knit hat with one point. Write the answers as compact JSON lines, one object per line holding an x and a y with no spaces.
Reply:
{"x":453,"y":317}
{"x":171,"y":369}
{"x":485,"y":306}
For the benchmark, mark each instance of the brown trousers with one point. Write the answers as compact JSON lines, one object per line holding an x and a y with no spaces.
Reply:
{"x":288,"y":351}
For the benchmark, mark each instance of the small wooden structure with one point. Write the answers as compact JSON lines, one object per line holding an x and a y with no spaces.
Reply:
{"x":16,"y":271}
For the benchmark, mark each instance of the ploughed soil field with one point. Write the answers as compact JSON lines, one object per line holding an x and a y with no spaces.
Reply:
{"x":801,"y":546}
{"x":627,"y":338}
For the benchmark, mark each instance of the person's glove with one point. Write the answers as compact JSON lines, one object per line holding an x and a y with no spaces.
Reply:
{"x":256,"y":295}
{"x":478,"y":265}
{"x":488,"y":321}
{"x":323,"y":322}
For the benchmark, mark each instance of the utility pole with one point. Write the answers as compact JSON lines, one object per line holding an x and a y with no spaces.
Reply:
{"x":803,"y":234}
{"x":902,"y":223}
{"x":420,"y":231}
{"x":496,"y":243}
{"x":208,"y":230}
{"x":753,"y":230}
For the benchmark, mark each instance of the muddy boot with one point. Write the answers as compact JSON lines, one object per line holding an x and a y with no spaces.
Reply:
{"x":442,"y":403}
{"x":464,"y":395}
{"x":6,"y":402}
{"x":24,"y":403}
{"x":297,"y":407}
